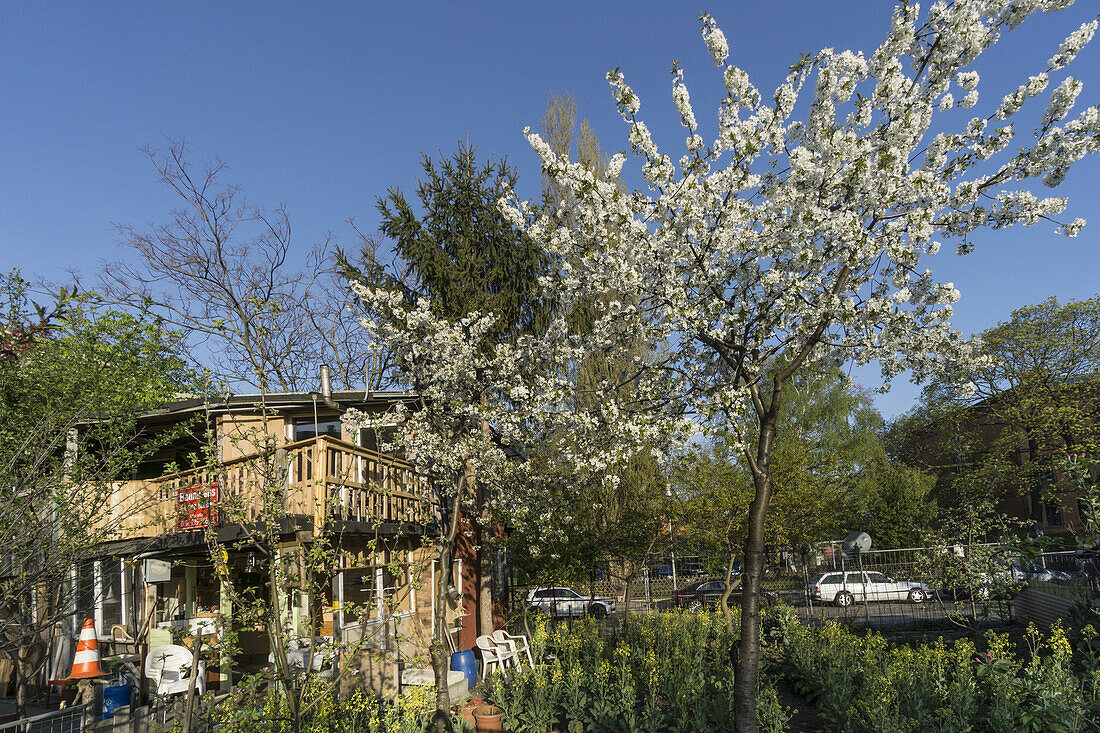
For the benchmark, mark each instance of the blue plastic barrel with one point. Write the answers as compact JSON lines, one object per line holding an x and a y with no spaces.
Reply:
{"x":465,"y":663}
{"x":115,"y":697}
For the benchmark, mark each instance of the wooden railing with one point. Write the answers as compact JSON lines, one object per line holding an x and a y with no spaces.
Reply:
{"x":359,"y":484}
{"x":324,"y":478}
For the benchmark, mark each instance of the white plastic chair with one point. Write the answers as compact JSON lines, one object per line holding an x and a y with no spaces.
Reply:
{"x":519,"y":645}
{"x":300,"y":652}
{"x":169,"y":666}
{"x":492,"y":653}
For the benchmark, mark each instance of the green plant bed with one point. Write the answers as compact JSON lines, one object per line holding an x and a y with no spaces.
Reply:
{"x":861,"y":682}
{"x":662,"y":672}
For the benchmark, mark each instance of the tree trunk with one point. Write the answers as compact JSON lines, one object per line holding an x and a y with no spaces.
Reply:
{"x":626,"y":596}
{"x":20,"y":669}
{"x":275,"y":633}
{"x":748,"y":656}
{"x":725,"y":601}
{"x":441,"y":719}
{"x":192,"y":679}
{"x":747,"y":669}
{"x":484,"y":537}
{"x":440,"y":660}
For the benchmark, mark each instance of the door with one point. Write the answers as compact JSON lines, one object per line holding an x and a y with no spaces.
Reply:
{"x":881,"y":588}
{"x":712,"y":591}
{"x":571,"y":603}
{"x":854,"y":584}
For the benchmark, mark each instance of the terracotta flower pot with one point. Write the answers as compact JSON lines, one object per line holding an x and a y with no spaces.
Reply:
{"x":489,"y":718}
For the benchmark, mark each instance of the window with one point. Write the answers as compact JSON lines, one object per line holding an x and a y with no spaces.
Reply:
{"x":84,"y":605}
{"x":360,"y":602}
{"x":306,"y":428}
{"x":877,"y":578}
{"x":830,"y":580}
{"x":1054,"y":513}
{"x":854,"y":578}
{"x":376,"y":439}
{"x":1084,"y":510}
{"x":396,"y":590}
{"x":110,"y":593}
{"x":207,"y":589}
{"x":715,"y":585}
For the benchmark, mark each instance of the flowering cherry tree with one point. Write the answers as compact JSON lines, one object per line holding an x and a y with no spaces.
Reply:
{"x":453,"y":372}
{"x":794,"y":231}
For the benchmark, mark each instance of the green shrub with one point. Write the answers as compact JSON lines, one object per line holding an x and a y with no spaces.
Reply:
{"x":863,"y":683}
{"x":667,"y":671}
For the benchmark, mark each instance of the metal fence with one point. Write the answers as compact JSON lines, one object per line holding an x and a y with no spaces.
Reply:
{"x":930,"y":587}
{"x":68,"y":720}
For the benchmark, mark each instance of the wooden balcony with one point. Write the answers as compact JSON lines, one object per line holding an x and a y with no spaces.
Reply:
{"x":322,"y":478}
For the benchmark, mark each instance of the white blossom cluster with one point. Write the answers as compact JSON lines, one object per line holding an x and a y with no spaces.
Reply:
{"x":520,"y":391}
{"x":801,"y":238}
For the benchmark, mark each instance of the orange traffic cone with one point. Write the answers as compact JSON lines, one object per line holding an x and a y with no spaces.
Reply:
{"x":86,"y":661}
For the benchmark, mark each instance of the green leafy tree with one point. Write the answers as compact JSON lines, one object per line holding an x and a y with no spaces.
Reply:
{"x":73,"y":378}
{"x":459,"y":251}
{"x":899,"y":507}
{"x":1033,"y":398}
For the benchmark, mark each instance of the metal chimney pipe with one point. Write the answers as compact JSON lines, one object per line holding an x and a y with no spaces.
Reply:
{"x":326,"y":388}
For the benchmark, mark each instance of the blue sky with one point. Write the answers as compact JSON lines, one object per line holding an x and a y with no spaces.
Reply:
{"x":323,"y":108}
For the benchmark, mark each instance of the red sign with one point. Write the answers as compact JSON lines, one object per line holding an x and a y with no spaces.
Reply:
{"x":197,"y":506}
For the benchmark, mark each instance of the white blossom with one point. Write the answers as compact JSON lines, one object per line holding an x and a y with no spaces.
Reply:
{"x":1062,"y":100}
{"x":715,"y":40}
{"x":1074,"y":227}
{"x":968,"y":80}
{"x":1072,"y":46}
{"x":683,"y":102}
{"x":738,"y":248}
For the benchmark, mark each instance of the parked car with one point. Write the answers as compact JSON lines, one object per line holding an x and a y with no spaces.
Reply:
{"x":1005,"y":580}
{"x":846,"y":588}
{"x":709,"y":592}
{"x":561,"y":602}
{"x":661,"y":571}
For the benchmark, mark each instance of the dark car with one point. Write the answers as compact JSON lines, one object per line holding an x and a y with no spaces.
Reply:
{"x":709,"y":592}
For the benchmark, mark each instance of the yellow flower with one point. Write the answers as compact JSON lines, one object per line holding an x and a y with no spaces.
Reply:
{"x":1058,"y":643}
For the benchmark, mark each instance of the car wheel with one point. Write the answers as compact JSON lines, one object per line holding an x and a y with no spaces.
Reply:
{"x":917,"y":596}
{"x":844,"y":599}
{"x":695,"y":605}
{"x":597,"y":611}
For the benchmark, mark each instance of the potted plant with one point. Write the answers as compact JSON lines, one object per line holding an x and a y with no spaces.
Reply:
{"x":489,"y":718}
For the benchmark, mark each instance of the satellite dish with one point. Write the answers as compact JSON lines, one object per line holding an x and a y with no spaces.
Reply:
{"x":856,"y":543}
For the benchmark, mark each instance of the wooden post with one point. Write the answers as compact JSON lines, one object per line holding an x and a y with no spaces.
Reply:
{"x":225,"y":662}
{"x":190,"y":573}
{"x":191,"y":681}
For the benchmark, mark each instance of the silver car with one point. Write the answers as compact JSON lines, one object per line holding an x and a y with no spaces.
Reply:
{"x":846,"y":588}
{"x":560,"y":602}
